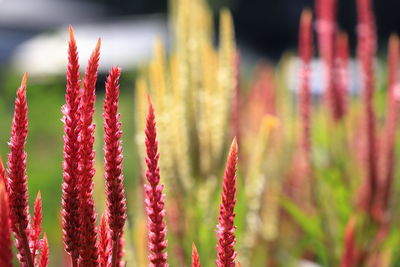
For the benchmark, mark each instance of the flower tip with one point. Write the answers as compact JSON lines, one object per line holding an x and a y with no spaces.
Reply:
{"x":234,"y":146}
{"x":24,"y":79}
{"x":103,"y":219}
{"x":194,"y":249}
{"x":22,"y":89}
{"x":98,"y":45}
{"x":116,"y":70}
{"x":195,"y":256}
{"x":71,"y":33}
{"x":39,"y":196}
{"x":306,"y":16}
{"x":394,"y":39}
{"x":343,"y":35}
{"x":44,"y":254}
{"x":149,"y":101}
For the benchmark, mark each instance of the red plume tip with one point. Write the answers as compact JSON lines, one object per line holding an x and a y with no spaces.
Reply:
{"x":21,"y":93}
{"x":44,"y":254}
{"x":225,"y":227}
{"x":154,"y":196}
{"x":24,"y":79}
{"x":98,"y":44}
{"x":195,"y":257}
{"x":71,"y":33}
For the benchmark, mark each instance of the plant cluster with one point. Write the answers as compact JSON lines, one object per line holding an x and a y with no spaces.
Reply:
{"x":318,"y":177}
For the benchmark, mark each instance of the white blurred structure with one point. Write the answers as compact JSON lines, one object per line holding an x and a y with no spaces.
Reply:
{"x":317,"y":76}
{"x":125,"y":43}
{"x":305,"y":263}
{"x":42,"y":14}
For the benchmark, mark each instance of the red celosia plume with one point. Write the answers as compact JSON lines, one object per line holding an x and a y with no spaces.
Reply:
{"x":88,"y":231}
{"x":44,"y":254}
{"x":116,"y":202}
{"x":350,"y":253}
{"x":225,"y":228}
{"x":195,"y":257}
{"x":104,"y":242}
{"x":305,"y":52}
{"x":342,"y":79}
{"x":390,"y":127}
{"x":17,"y":183}
{"x":154,"y":197}
{"x":366,"y":53}
{"x":326,"y":29}
{"x":36,"y":226}
{"x":5,"y":227}
{"x":70,"y":189}
{"x":301,"y":168}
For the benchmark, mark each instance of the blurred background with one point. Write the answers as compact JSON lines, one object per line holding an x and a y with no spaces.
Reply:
{"x":265,"y":28}
{"x":33,"y":39}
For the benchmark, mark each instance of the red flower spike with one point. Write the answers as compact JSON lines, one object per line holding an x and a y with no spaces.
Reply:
{"x":154,"y":197}
{"x":36,"y":225}
{"x":393,"y":61}
{"x":392,"y":117}
{"x":195,"y":257}
{"x":350,"y":253}
{"x":44,"y":254}
{"x":226,"y":238}
{"x":104,"y":242}
{"x":17,"y":184}
{"x":366,"y":52}
{"x":5,"y":227}
{"x":342,"y":81}
{"x":88,"y":233}
{"x":326,"y":29}
{"x":116,"y":201}
{"x":70,"y":189}
{"x":305,"y":52}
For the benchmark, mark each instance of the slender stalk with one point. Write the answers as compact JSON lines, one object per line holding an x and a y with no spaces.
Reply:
{"x":366,"y":47}
{"x":114,"y":259}
{"x":305,"y":52}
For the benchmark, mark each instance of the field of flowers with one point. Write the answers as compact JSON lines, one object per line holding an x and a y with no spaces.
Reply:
{"x":194,"y":163}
